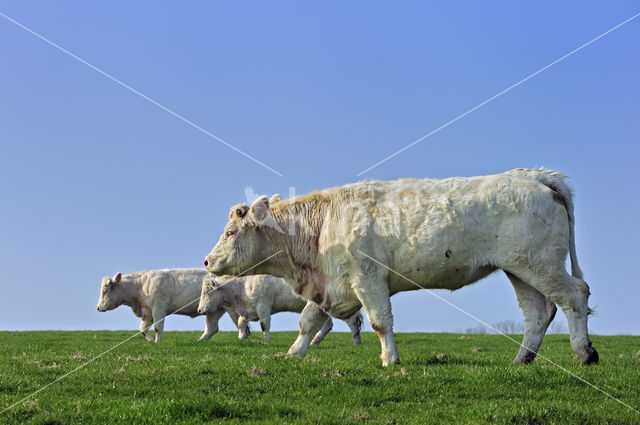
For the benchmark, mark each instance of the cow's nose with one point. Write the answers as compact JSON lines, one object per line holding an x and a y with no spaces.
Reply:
{"x":200,"y":310}
{"x":206,"y":263}
{"x":98,"y":308}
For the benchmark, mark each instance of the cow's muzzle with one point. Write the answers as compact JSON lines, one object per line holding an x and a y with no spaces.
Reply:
{"x":210,"y":263}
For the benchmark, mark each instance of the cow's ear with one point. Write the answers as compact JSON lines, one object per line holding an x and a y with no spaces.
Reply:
{"x":260,"y":208}
{"x":239,"y":211}
{"x":274,"y":198}
{"x":117,"y":277}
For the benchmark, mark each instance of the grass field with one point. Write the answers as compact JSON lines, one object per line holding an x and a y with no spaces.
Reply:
{"x":224,"y":379}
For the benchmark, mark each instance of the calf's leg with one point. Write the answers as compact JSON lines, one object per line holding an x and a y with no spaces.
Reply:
{"x":264,"y":315}
{"x":211,"y":324}
{"x":144,"y":328}
{"x":244,"y":330}
{"x":326,"y":328}
{"x":311,"y":320}
{"x":355,"y":324}
{"x":158,"y":319}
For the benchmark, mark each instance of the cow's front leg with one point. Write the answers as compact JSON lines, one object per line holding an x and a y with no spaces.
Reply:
{"x":264,"y":315}
{"x":374,"y":296}
{"x":144,"y":328}
{"x":311,"y":320}
{"x":158,"y":318}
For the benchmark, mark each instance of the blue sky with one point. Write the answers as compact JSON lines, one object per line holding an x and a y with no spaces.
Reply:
{"x":96,"y":180}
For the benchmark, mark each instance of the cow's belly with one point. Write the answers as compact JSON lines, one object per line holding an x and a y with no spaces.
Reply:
{"x":445,"y":256}
{"x":452,"y":279}
{"x":191,"y":314}
{"x":251,"y":317}
{"x":188,"y":310}
{"x":340,"y":301}
{"x":292,"y":305}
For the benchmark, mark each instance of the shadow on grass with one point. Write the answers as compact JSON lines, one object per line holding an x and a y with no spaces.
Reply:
{"x":435,"y":361}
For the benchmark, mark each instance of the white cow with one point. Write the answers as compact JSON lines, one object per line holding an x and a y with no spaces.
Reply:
{"x":152,"y":295}
{"x":361,"y":243}
{"x":256,"y":298}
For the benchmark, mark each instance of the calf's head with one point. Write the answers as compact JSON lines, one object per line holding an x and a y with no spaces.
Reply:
{"x":110,"y":293}
{"x":210,"y":297}
{"x":243,"y":243}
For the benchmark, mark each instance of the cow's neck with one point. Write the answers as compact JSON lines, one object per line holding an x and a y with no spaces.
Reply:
{"x":131,"y":290}
{"x":298,"y":236}
{"x":299,"y":224}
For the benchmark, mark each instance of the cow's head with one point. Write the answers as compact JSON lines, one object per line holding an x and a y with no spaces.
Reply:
{"x":210,"y":297}
{"x":110,"y":293}
{"x":243,"y":243}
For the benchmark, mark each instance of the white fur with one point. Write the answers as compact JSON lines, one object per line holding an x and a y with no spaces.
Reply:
{"x":441,"y":234}
{"x":152,"y":295}
{"x":256,"y":298}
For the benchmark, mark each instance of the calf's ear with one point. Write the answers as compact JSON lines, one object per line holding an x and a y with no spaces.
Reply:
{"x":117,"y":277}
{"x":260,"y":208}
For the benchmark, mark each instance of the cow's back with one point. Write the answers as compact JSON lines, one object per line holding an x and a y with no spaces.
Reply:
{"x":177,"y":289}
{"x":273,"y":290}
{"x":443,"y":233}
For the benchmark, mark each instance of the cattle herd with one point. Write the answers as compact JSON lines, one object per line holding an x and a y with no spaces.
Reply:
{"x":331,"y":252}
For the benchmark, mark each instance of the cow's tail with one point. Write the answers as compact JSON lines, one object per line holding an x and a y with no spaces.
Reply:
{"x":554,"y":180}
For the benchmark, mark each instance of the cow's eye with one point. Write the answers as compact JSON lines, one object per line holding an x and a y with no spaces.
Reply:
{"x":231,"y":233}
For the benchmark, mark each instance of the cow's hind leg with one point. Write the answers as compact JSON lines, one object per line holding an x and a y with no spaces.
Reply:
{"x":577,"y":311}
{"x":538,"y":313}
{"x":326,"y":328}
{"x":571,"y":294}
{"x":312,"y":319}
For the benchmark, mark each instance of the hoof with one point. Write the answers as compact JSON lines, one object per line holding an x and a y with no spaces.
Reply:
{"x":592,"y":356}
{"x":391,"y":362}
{"x":527,"y":358}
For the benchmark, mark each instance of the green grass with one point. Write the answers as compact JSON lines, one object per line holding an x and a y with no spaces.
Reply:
{"x":224,"y":379}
